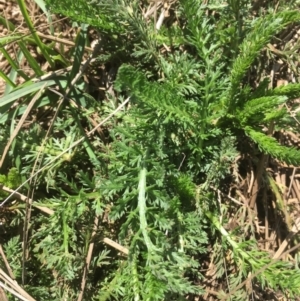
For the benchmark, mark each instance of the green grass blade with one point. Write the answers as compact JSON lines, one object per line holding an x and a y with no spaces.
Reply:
{"x":86,"y":143}
{"x":79,"y":51}
{"x":44,"y":101}
{"x":42,"y":6}
{"x":37,"y":39}
{"x":27,"y":89}
{"x":13,"y":74}
{"x":31,"y":60}
{"x":20,"y":39}
{"x":13,"y":64}
{"x":7,"y":24}
{"x":7,"y":80}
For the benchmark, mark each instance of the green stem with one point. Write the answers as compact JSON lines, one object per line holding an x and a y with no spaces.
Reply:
{"x":135,"y":278}
{"x":225,"y":234}
{"x":65,"y":233}
{"x":142,"y":209}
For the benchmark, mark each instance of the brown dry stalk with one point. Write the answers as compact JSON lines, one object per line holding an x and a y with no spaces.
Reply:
{"x":3,"y":296}
{"x":116,"y":246}
{"x":23,"y":198}
{"x":284,"y":244}
{"x":59,"y":40}
{"x":257,"y":180}
{"x":291,"y":183}
{"x":9,"y":270}
{"x":296,"y":190}
{"x":14,"y":285}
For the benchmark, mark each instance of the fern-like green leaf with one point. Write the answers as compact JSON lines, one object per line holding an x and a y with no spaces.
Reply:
{"x":263,"y":30}
{"x":290,"y":90}
{"x":270,"y":146}
{"x":159,"y":97}
{"x":258,"y":108}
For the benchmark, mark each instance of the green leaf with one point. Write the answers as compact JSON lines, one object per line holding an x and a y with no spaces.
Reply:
{"x":270,"y":146}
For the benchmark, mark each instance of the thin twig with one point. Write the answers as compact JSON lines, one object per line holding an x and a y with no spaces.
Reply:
{"x":13,"y":292}
{"x":59,"y":40}
{"x":116,"y":245}
{"x":12,"y":283}
{"x":23,"y":198}
{"x":9,"y":270}
{"x":291,"y":183}
{"x":3,"y":296}
{"x":228,"y":196}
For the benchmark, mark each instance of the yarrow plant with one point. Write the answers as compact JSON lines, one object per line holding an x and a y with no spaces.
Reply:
{"x":156,"y":183}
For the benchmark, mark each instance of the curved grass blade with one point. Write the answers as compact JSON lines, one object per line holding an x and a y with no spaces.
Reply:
{"x":20,"y":40}
{"x":39,"y":43}
{"x":13,"y":74}
{"x":79,"y":51}
{"x":27,"y":89}
{"x":8,"y":81}
{"x":42,"y":6}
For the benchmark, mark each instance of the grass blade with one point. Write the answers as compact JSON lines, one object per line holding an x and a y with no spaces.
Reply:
{"x":34,"y":34}
{"x":27,"y":89}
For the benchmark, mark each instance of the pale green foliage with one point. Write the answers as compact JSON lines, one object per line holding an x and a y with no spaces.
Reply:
{"x":11,"y":180}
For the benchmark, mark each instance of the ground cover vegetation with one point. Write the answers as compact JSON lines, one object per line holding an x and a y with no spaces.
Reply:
{"x":158,"y":163}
